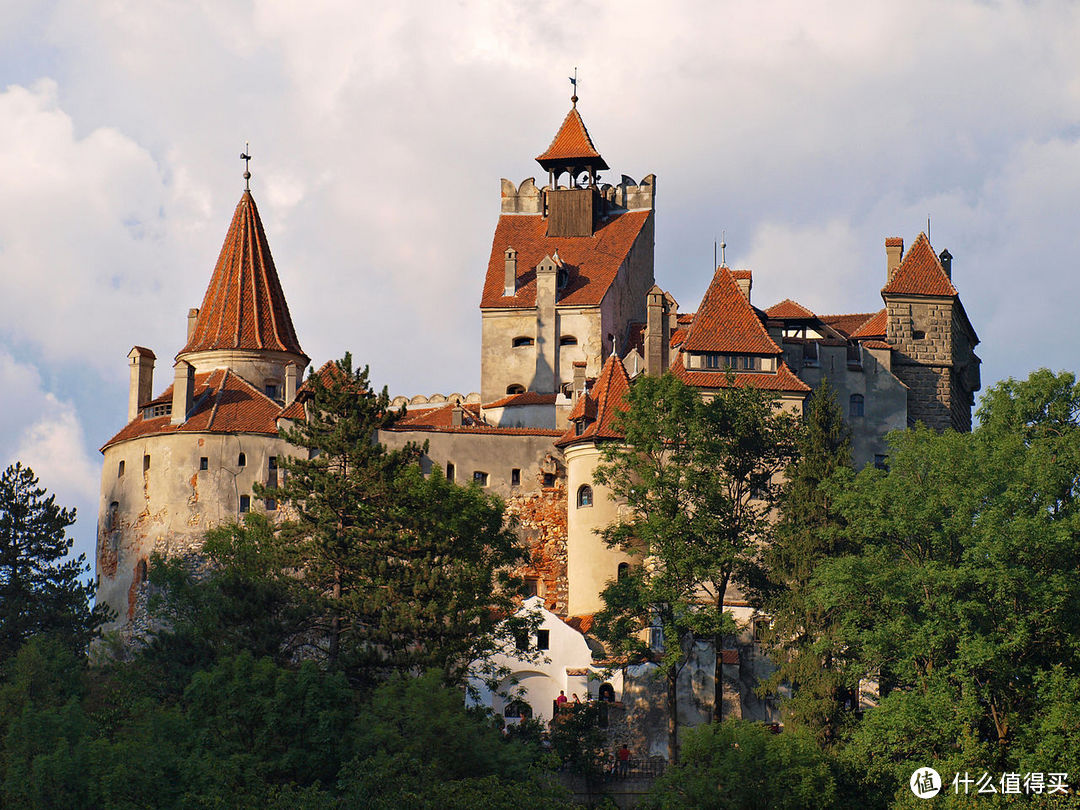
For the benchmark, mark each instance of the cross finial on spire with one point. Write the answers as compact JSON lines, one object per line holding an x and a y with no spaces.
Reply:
{"x":244,"y":156}
{"x":573,"y":83}
{"x":723,"y":248}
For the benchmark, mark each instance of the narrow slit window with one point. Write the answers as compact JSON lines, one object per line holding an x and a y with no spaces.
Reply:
{"x":515,"y":477}
{"x":120,"y":470}
{"x":241,"y":460}
{"x":204,"y":463}
{"x":146,"y":463}
{"x":584,"y":495}
{"x":449,"y":471}
{"x":856,"y":406}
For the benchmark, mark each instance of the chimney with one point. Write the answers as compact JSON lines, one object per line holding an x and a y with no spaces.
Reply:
{"x":456,"y":415}
{"x":141,"y":388}
{"x":745,"y":281}
{"x":657,"y":332}
{"x":946,"y":262}
{"x":579,"y":380}
{"x":183,"y":392}
{"x":894,"y":252}
{"x":192,"y":316}
{"x":510,"y":277}
{"x":291,"y":373}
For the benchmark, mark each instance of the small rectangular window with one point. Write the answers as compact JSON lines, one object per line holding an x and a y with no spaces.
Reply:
{"x":449,"y":471}
{"x":521,"y":642}
{"x":272,"y":390}
{"x":918,"y":334}
{"x":515,"y":477}
{"x":120,"y":470}
{"x":241,"y":460}
{"x":712,"y":361}
{"x":543,"y":639}
{"x":480,"y":478}
{"x":245,"y":503}
{"x":146,"y":463}
{"x":549,"y":479}
{"x":532,"y":587}
{"x":204,"y":463}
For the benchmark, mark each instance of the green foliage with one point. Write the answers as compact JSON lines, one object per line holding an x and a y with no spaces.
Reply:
{"x":577,"y":739}
{"x":687,"y":472}
{"x":40,"y":591}
{"x":736,"y":764}
{"x":807,"y":533}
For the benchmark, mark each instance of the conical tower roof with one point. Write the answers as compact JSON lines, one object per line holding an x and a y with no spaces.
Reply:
{"x":244,"y":307}
{"x":572,"y":146}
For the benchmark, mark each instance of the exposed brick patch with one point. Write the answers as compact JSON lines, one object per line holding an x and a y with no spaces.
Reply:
{"x":541,"y":518}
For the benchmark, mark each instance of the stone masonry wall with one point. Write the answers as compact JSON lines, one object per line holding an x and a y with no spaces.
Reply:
{"x":921,"y":332}
{"x":541,"y":523}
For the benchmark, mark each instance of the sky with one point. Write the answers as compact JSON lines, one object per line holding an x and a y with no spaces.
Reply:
{"x":803,"y":134}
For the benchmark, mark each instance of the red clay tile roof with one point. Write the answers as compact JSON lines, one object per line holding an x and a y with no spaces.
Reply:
{"x":875,"y":326}
{"x":784,"y":380}
{"x":144,"y":351}
{"x":478,"y":429}
{"x":583,"y":624}
{"x":789,"y":309}
{"x":224,"y":402}
{"x":846,"y":325}
{"x":608,"y":393}
{"x":725,"y":321}
{"x":876,"y":344}
{"x":894,"y":241}
{"x":528,"y":398}
{"x":585,"y":407}
{"x":244,"y":307}
{"x":729,"y":656}
{"x":920,"y":273}
{"x":571,"y":144}
{"x":294,"y":411}
{"x":742,"y":275}
{"x":440,"y":417}
{"x":592,"y":261}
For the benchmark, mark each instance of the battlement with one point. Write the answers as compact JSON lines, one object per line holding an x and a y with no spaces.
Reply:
{"x":628,"y":195}
{"x":436,"y":399}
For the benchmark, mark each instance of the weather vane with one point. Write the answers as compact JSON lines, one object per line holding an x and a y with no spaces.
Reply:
{"x":244,"y":156}
{"x":723,"y":248}
{"x":573,"y":83}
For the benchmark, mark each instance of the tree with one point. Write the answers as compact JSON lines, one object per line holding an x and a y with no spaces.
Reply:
{"x":40,"y":591}
{"x":807,"y":533}
{"x":737,"y":765}
{"x":696,"y":475}
{"x":401,"y":571}
{"x":960,"y":587}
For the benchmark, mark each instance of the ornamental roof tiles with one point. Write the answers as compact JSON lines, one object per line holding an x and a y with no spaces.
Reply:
{"x":571,"y":145}
{"x":874,"y":326}
{"x":224,"y":402}
{"x":592,"y":262}
{"x":920,"y":273}
{"x":244,"y":306}
{"x":608,"y":395}
{"x":725,"y":321}
{"x":789,"y":310}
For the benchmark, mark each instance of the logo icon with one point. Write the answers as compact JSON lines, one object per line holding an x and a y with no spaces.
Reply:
{"x":925,"y":783}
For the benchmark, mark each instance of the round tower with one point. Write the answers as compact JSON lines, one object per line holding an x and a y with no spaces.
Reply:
{"x":188,"y":459}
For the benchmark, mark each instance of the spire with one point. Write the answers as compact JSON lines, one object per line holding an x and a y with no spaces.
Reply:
{"x":244,"y":306}
{"x":572,"y":149}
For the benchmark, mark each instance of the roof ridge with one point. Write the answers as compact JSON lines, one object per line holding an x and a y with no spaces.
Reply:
{"x":725,"y":321}
{"x":920,"y":273}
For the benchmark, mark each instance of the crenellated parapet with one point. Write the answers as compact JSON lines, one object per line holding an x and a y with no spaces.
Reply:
{"x":628,"y":195}
{"x":472,"y":398}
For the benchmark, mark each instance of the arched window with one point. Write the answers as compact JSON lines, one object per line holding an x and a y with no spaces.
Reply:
{"x":607,"y":692}
{"x":521,"y":341}
{"x":856,"y":405}
{"x":518,"y":709}
{"x":584,"y":495}
{"x":624,"y":569}
{"x":515,"y":389}
{"x":241,"y":460}
{"x":568,"y":340}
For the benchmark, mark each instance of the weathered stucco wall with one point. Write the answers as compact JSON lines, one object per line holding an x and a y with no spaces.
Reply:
{"x":164,"y":502}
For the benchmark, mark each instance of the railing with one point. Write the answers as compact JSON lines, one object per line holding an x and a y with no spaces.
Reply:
{"x":636,"y":769}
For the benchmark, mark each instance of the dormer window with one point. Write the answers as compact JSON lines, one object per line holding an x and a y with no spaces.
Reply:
{"x":518,"y":342}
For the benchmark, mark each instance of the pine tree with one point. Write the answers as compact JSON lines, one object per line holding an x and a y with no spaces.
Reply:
{"x":40,"y":591}
{"x":405,"y":572}
{"x":806,"y":534}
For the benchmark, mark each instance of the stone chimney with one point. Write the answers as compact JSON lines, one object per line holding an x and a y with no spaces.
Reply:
{"x":657,"y":341}
{"x":894,"y":253}
{"x":291,"y":373}
{"x":457,"y":414}
{"x":192,"y":316}
{"x":510,"y":277}
{"x":946,"y":262}
{"x":141,"y":387}
{"x":745,"y":280}
{"x":183,"y":392}
{"x":579,"y":379}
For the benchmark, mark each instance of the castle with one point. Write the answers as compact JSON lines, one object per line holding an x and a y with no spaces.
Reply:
{"x":571,"y":314}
